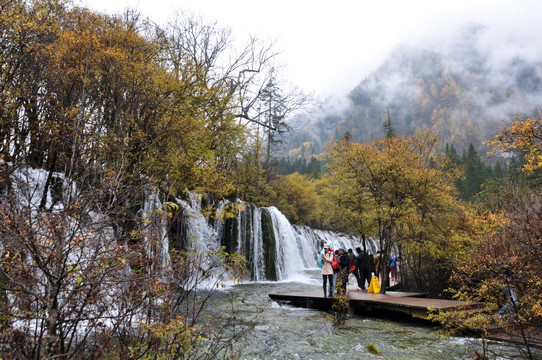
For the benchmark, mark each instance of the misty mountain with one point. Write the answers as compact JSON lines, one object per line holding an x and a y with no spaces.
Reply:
{"x":465,"y":91}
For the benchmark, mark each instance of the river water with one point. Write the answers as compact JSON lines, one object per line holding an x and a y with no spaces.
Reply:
{"x":286,"y":332}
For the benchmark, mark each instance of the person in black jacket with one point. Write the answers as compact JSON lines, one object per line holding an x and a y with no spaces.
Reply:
{"x":370,"y":268}
{"x":360,"y":273}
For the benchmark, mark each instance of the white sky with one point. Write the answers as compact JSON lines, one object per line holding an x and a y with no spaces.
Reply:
{"x":330,"y":46}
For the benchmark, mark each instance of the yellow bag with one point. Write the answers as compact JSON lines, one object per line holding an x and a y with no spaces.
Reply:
{"x":374,"y":286}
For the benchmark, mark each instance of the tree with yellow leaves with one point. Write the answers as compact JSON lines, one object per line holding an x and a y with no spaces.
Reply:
{"x":109,"y":107}
{"x":524,"y":135}
{"x":393,"y":189}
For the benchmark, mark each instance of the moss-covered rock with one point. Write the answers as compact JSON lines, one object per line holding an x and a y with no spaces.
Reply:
{"x":269,"y":246}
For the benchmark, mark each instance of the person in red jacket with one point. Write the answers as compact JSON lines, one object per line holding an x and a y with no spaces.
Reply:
{"x":335,"y":272}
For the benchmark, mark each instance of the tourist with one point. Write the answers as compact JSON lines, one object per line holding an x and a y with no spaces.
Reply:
{"x":351,"y":264}
{"x":361,"y":268}
{"x":343,"y":274}
{"x":327,"y":270}
{"x":370,"y":267}
{"x":335,"y":273}
{"x":393,"y":266}
{"x":378,"y":261}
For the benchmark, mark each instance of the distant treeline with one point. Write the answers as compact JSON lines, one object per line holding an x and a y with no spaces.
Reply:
{"x":313,"y":169}
{"x":477,"y":172}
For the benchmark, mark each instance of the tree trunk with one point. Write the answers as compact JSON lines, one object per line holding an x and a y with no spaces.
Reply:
{"x":52,"y":321}
{"x":48,"y":182}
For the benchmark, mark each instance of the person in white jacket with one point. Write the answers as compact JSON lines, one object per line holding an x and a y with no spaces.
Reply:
{"x":327,"y":270}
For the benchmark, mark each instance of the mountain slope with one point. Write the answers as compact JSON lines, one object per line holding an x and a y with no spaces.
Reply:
{"x":461,"y":91}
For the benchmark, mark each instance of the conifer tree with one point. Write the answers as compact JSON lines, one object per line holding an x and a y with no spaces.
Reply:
{"x":475,"y":173}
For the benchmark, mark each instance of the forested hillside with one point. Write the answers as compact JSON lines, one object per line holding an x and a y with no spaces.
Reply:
{"x":463,"y":91}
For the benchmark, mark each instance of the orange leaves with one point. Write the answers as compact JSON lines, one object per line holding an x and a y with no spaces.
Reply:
{"x":506,"y":251}
{"x":85,"y":88}
{"x":389,"y":173}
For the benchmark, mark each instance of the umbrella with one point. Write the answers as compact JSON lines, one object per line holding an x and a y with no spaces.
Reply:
{"x":322,"y":253}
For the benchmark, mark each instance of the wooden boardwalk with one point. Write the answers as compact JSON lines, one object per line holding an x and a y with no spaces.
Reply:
{"x":413,"y":304}
{"x":390,"y":304}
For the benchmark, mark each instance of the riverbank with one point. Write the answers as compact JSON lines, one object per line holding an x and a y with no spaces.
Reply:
{"x":287,"y":332}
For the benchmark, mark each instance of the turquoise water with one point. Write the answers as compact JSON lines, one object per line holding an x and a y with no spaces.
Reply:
{"x":286,"y":332}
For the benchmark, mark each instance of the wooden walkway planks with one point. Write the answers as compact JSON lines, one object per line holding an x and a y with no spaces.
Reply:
{"x":391,"y":303}
{"x":414,"y":304}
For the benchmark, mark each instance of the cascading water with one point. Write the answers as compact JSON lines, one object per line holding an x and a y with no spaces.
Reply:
{"x":250,"y":239}
{"x":257,"y":252}
{"x":28,"y":186}
{"x":156,"y":237}
{"x":275,"y":249}
{"x":319,"y":237}
{"x":200,"y":234}
{"x":288,"y":249}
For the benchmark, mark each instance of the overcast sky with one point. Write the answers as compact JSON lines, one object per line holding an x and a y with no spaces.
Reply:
{"x":330,"y":46}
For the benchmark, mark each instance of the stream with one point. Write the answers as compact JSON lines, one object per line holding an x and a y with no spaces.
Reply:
{"x":286,"y":332}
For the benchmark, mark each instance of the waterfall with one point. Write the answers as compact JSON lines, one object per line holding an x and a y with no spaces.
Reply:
{"x":29,"y":186}
{"x":156,"y":240}
{"x":339,"y":240}
{"x":274,"y":248}
{"x":289,"y":251}
{"x":254,"y":223}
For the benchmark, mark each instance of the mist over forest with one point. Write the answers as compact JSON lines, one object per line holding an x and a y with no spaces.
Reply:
{"x":464,"y":91}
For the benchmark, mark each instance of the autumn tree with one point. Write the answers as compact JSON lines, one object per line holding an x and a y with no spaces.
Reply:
{"x":251,"y":104}
{"x":508,"y":255}
{"x":524,"y":135}
{"x":506,"y":251}
{"x":76,"y":288}
{"x":392,"y":190}
{"x":249,"y":176}
{"x":298,"y":199}
{"x":344,"y":197}
{"x":114,"y":107}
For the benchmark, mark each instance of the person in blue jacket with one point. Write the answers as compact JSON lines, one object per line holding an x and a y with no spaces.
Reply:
{"x":393,"y":266}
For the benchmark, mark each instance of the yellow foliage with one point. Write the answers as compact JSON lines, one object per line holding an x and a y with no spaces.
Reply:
{"x":396,"y":190}
{"x":296,"y":197}
{"x":524,"y":135}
